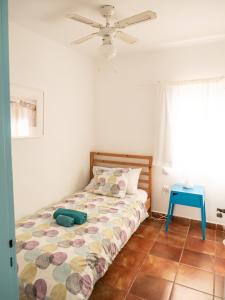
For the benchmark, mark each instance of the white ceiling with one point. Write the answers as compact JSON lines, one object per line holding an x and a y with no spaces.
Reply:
{"x":178,"y":22}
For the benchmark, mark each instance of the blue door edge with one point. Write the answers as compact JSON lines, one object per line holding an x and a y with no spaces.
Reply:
{"x":8,"y":270}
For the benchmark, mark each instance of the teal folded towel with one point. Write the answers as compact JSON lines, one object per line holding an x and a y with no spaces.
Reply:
{"x":79,"y":217}
{"x":64,"y":221}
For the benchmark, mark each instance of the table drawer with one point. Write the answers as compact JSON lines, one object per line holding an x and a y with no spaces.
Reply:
{"x":186,"y":199}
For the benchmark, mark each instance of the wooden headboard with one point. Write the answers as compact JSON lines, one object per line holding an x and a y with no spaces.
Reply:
{"x":126,"y":161}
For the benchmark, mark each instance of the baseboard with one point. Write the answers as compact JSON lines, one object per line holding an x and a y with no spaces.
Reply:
{"x":182,"y":219}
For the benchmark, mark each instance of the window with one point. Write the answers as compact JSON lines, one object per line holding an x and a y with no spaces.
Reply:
{"x":193,"y":127}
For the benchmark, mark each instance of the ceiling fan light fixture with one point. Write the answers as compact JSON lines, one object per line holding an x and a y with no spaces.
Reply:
{"x":108,"y":51}
{"x":109,"y":31}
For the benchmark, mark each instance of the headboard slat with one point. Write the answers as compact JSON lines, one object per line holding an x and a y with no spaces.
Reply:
{"x":123,"y":155}
{"x":105,"y":159}
{"x":122,"y":163}
{"x":143,"y":181}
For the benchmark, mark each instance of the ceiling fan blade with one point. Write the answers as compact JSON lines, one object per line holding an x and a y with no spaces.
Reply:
{"x":144,"y":16}
{"x":85,"y":38}
{"x":126,"y":37}
{"x":84,"y":20}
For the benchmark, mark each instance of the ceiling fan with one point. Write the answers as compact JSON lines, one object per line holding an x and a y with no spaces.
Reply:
{"x":108,"y":31}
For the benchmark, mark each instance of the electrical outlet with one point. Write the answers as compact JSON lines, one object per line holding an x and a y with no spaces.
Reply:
{"x":166,"y":188}
{"x":221,"y":210}
{"x":219,"y":215}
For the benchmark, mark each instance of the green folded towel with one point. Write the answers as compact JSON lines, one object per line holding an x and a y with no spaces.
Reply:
{"x":79,"y":217}
{"x":64,"y":221}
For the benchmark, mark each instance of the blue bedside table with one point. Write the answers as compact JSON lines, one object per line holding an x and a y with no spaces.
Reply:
{"x":194,"y":197}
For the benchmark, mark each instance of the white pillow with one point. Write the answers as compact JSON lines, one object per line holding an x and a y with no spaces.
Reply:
{"x":132,"y":176}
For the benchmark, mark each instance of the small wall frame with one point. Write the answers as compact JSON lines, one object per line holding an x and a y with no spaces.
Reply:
{"x":27,"y":112}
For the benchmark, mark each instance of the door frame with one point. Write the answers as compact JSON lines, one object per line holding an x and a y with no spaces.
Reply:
{"x":8,"y":269}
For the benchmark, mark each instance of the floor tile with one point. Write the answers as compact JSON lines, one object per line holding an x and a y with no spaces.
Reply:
{"x":139,"y":244}
{"x":147,"y":232}
{"x":219,"y":286}
{"x":148,"y":264}
{"x":220,"y":227}
{"x":130,"y":258}
{"x":153,"y":223}
{"x":176,"y":227}
{"x":181,"y":292}
{"x":152,"y":288}
{"x":220,"y":236}
{"x":133,"y":297}
{"x":210,"y":234}
{"x":196,"y":232}
{"x":181,"y":220}
{"x":106,"y":292}
{"x":198,"y":223}
{"x":174,"y":239}
{"x":119,"y":277}
{"x":165,"y":251}
{"x":195,"y":278}
{"x":198,"y":260}
{"x":219,"y":266}
{"x":220,"y":250}
{"x":198,"y":245}
{"x":211,"y":225}
{"x":159,"y":267}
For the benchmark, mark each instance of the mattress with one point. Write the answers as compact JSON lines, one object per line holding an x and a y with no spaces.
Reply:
{"x":141,"y":195}
{"x":58,"y":263}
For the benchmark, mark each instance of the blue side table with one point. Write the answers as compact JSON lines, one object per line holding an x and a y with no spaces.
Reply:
{"x":194,"y":197}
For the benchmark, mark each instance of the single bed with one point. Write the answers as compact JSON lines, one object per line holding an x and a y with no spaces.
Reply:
{"x":56,"y":262}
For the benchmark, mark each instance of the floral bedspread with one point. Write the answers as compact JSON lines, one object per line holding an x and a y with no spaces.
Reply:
{"x":58,"y":263}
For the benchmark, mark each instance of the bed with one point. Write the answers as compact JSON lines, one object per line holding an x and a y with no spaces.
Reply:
{"x":56,"y":262}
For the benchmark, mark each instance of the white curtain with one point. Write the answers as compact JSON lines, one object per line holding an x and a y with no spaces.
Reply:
{"x":23,"y":117}
{"x":190,"y":130}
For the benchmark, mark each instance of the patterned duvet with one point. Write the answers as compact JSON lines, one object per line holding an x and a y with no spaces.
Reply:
{"x":60,"y":263}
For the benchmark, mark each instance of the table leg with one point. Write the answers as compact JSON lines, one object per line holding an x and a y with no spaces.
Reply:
{"x":168,"y":216}
{"x":172,"y":210}
{"x":203,"y":215}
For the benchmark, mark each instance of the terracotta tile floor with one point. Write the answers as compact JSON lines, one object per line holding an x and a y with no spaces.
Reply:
{"x":177,"y":266}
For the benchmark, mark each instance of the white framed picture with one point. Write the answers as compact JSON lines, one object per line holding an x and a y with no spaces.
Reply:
{"x":27,"y":112}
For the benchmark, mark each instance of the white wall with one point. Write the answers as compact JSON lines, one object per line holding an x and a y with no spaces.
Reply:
{"x":46,"y":169}
{"x":123,"y":92}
